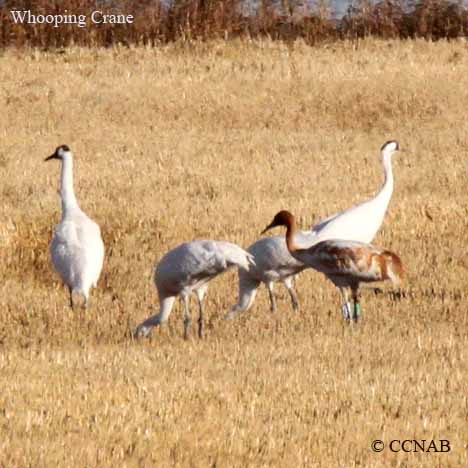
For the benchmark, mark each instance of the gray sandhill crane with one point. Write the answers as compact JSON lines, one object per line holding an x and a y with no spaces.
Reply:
{"x":273,"y":263}
{"x":345,"y":263}
{"x":188,"y":268}
{"x":77,"y":250}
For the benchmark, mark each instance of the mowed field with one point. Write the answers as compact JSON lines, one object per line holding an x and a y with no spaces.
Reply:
{"x":210,"y":141}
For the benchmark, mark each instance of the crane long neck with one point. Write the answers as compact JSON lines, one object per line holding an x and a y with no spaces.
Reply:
{"x":67,"y":193}
{"x":290,"y":233}
{"x":385,"y":192}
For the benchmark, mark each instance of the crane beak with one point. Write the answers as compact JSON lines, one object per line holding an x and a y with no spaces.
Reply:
{"x":267,"y":228}
{"x":52,"y":156}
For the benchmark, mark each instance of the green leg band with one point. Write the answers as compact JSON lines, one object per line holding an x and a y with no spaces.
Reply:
{"x":357,"y":310}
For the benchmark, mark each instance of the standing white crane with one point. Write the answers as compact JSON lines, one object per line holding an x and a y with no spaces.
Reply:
{"x":77,"y":250}
{"x":345,"y":263}
{"x":359,"y":223}
{"x":188,"y":268}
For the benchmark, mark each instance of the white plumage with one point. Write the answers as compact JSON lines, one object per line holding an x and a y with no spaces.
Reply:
{"x":274,"y":263}
{"x":77,"y":250}
{"x":188,"y":268}
{"x":360,"y":222}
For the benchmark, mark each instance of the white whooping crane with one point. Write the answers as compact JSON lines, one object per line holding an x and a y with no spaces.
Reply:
{"x":188,"y":268}
{"x":359,"y":223}
{"x":77,"y":250}
{"x":345,"y":263}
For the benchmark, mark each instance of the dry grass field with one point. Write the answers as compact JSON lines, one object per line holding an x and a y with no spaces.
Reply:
{"x":209,"y":141}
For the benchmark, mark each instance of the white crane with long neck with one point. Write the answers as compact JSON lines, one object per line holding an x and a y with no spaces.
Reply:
{"x":76,"y":250}
{"x":359,"y":223}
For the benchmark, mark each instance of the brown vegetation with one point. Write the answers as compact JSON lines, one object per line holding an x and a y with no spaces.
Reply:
{"x":210,"y":141}
{"x":158,"y":22}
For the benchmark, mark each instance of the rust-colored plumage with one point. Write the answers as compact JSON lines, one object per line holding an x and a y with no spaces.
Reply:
{"x":353,"y":261}
{"x":345,"y":263}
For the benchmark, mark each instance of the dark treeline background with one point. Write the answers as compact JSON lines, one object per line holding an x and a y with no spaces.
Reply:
{"x":159,"y":22}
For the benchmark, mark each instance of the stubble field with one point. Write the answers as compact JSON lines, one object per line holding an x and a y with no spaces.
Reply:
{"x":210,"y":141}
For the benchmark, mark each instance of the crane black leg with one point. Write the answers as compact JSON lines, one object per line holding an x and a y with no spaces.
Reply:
{"x":71,"y":296}
{"x":357,"y":305}
{"x":186,"y":317}
{"x":200,"y":317}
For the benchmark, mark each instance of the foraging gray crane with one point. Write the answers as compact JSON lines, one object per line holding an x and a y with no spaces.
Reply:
{"x":345,"y":263}
{"x":188,"y":268}
{"x":273,"y":263}
{"x":76,"y":250}
{"x":359,"y":223}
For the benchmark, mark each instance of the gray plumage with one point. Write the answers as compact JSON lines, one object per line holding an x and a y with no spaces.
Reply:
{"x":273,"y":263}
{"x":188,"y":268}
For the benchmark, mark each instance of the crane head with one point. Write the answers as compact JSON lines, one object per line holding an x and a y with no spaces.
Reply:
{"x":59,"y":153}
{"x":282,"y":218}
